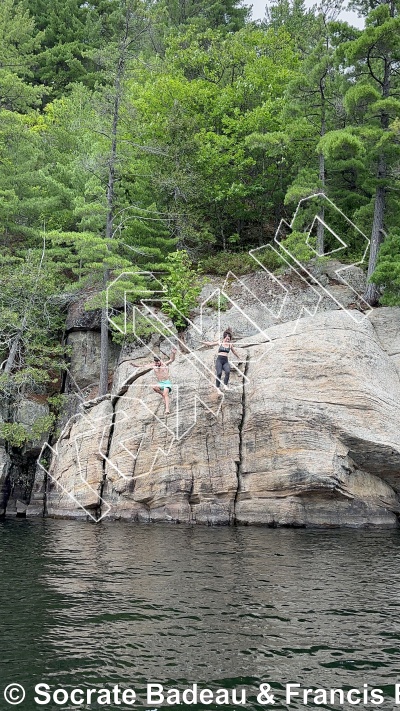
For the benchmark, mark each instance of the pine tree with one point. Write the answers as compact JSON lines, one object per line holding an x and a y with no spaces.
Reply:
{"x":225,"y":15}
{"x":30,"y":321}
{"x":387,"y":272}
{"x":314,"y":100}
{"x":19,"y":41}
{"x":295,"y":19}
{"x":373,"y":105}
{"x":70,"y":29}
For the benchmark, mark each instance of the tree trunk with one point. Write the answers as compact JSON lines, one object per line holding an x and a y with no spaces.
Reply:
{"x":321,"y":214}
{"x":372,"y":294}
{"x":12,"y":354}
{"x":103,"y":381}
{"x":126,"y":40}
{"x":14,"y":348}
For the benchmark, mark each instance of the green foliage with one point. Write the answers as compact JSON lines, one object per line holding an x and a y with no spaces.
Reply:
{"x":19,"y":40}
{"x":71,"y":30}
{"x":318,"y":145}
{"x":16,"y":434}
{"x":305,"y":184}
{"x":387,"y":272}
{"x":239,"y":262}
{"x":41,"y":426}
{"x":57,"y":403}
{"x":187,"y":128}
{"x":270,"y":258}
{"x":219,"y":304}
{"x":209,"y":97}
{"x":228,"y":15}
{"x":296,"y":243}
{"x":183,"y":286}
{"x":360,"y":97}
{"x":299,"y":22}
{"x":144,"y":328}
{"x":372,"y":102}
{"x":30,"y":322}
{"x":341,"y":145}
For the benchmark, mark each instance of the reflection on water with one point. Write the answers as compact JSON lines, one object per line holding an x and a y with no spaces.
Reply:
{"x":90,"y":604}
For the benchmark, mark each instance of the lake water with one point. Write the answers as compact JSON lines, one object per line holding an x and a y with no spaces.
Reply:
{"x":87,"y":605}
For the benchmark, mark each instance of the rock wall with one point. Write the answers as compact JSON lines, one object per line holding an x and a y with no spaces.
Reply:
{"x":4,"y":479}
{"x":308,"y":434}
{"x":18,"y":465}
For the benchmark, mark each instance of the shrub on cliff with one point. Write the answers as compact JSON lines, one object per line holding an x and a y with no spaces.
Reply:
{"x":183,"y":286}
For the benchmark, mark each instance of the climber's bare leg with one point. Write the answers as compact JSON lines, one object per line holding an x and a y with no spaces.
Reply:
{"x":165,"y":396}
{"x":166,"y":400}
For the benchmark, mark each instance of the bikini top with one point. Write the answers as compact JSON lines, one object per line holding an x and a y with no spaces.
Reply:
{"x":223,"y":349}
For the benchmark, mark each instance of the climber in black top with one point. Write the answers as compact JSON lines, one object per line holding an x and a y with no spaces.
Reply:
{"x":222,"y":363}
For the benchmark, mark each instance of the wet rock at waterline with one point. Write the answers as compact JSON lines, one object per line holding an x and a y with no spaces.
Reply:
{"x":4,"y":479}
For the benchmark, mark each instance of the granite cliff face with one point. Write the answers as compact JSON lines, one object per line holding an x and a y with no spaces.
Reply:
{"x":308,"y":434}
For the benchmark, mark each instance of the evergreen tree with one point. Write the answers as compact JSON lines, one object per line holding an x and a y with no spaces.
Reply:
{"x":19,"y":41}
{"x":30,"y":322}
{"x":293,"y":17}
{"x":387,"y":272}
{"x":373,"y":105}
{"x":70,"y":30}
{"x":314,"y":101}
{"x":225,"y":15}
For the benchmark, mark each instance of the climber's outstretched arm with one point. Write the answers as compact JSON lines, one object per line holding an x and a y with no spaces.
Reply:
{"x":172,"y":358}
{"x":151,"y":365}
{"x":210,"y":343}
{"x":142,"y":365}
{"x":234,"y":352}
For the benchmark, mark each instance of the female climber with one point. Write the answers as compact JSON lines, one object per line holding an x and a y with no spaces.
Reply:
{"x":222,"y":362}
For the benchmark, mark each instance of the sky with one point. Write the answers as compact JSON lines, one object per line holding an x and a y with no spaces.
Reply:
{"x":259,"y":12}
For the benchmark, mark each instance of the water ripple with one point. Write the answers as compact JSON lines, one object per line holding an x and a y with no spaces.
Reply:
{"x":84,"y":604}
